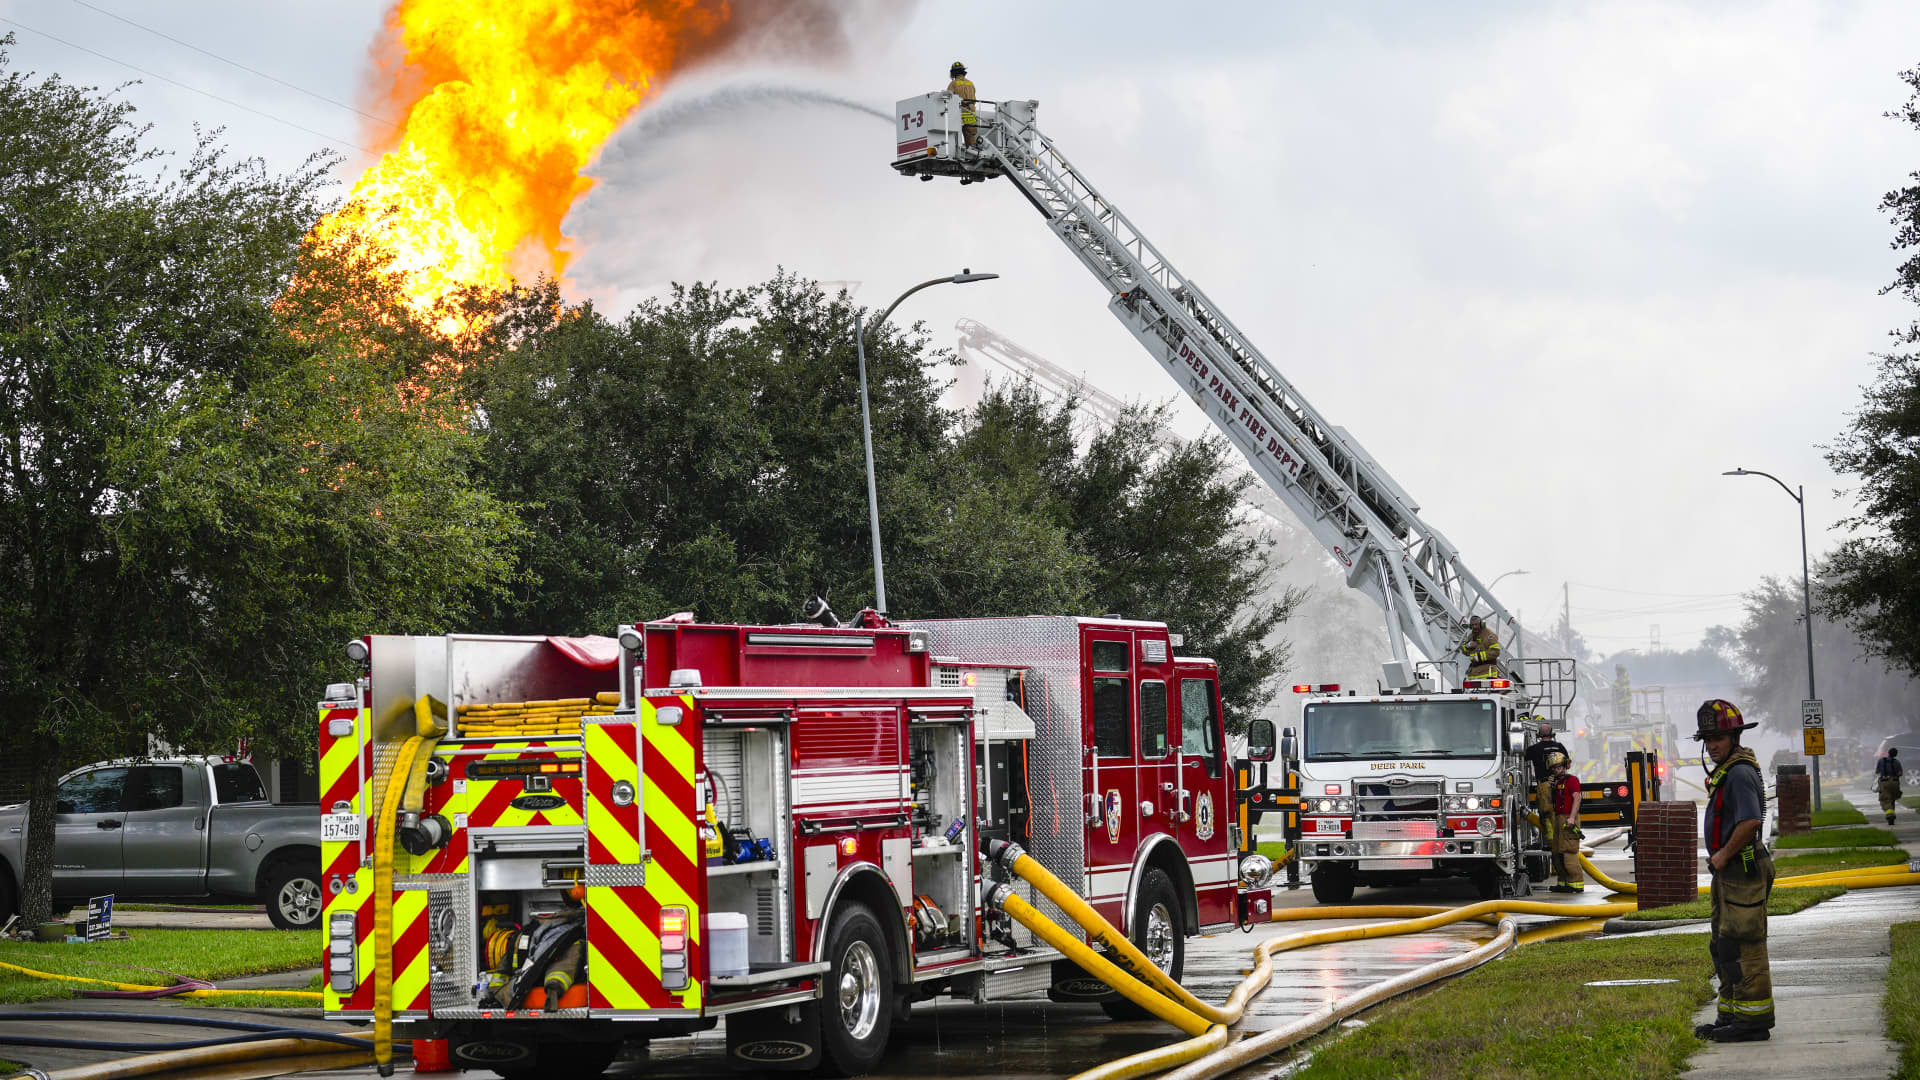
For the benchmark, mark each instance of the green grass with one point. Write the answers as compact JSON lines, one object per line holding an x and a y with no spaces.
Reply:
{"x":1837,"y":811}
{"x":1911,"y":802}
{"x":200,"y":954}
{"x":1902,"y":1002}
{"x":1782,"y":902}
{"x":1821,"y":862}
{"x":1272,"y":849}
{"x":1528,"y":1014}
{"x":194,"y":907}
{"x":1836,"y":838}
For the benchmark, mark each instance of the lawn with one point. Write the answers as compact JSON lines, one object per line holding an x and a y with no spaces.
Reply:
{"x":1272,"y":849}
{"x":1836,"y":838}
{"x":1902,"y":1003}
{"x":1911,"y":802}
{"x":1821,"y":862}
{"x":1782,"y":902}
{"x":148,"y":955}
{"x":1528,"y":1014}
{"x":1837,"y":811}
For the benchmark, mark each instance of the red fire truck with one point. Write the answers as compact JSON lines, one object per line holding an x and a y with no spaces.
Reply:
{"x":539,"y":847}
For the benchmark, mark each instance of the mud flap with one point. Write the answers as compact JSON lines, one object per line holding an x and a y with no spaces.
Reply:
{"x":780,"y":1039}
{"x":1070,"y":982}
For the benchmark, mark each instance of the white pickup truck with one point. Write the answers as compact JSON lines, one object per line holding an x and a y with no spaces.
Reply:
{"x":173,"y":829}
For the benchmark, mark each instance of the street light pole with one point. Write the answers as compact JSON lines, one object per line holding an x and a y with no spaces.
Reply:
{"x":866,"y":420}
{"x":1518,"y":642}
{"x":1806,"y":597}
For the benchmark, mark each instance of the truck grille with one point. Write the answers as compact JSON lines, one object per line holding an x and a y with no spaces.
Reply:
{"x":1379,"y":801}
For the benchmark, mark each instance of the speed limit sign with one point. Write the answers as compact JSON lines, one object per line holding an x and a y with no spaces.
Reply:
{"x":1813,"y":713}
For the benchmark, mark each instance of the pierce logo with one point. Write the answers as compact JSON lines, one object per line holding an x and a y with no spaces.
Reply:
{"x":539,"y":802}
{"x":1083,"y":988}
{"x":492,"y":1053}
{"x":772,"y":1050}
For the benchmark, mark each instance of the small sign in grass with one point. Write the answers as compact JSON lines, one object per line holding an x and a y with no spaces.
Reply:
{"x":1837,"y":838}
{"x":1782,"y":902}
{"x":1529,"y":1014}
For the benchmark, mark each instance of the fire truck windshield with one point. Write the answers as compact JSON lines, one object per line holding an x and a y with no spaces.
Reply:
{"x":1400,"y":729}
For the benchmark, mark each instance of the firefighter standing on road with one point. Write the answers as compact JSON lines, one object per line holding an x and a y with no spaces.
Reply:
{"x":1742,"y":878}
{"x":1887,"y":774}
{"x":1542,"y":778}
{"x":1566,"y":826}
{"x":1482,"y":648}
{"x":969,"y":121}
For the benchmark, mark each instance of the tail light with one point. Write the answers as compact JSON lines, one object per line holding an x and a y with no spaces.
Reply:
{"x":1623,"y":791}
{"x":341,"y":939}
{"x":673,"y":948}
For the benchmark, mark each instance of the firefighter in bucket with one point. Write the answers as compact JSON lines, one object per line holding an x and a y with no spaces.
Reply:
{"x":1742,"y":878}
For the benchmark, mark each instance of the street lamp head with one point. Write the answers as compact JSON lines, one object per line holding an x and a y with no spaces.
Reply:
{"x":1734,"y":472}
{"x":967,"y":274}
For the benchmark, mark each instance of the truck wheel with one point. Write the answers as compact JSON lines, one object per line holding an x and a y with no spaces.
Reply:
{"x":292,"y":895}
{"x":1486,"y":881}
{"x":856,"y":1014}
{"x":1333,"y":883}
{"x":1156,"y":931}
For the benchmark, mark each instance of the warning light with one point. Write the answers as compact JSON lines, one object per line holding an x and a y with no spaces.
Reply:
{"x":972,"y":679}
{"x":1303,"y":688}
{"x":849,"y":845}
{"x":1330,"y":688}
{"x":1500,"y":684}
{"x":1333,"y":789}
{"x":1623,"y":791}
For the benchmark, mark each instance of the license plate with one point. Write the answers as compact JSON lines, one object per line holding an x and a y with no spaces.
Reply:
{"x":336,"y":828}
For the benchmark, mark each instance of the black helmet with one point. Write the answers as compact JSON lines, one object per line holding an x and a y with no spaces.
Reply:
{"x":958,"y":69}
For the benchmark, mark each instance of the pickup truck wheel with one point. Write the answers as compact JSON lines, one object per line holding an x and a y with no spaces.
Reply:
{"x":292,"y":895}
{"x":856,"y":1013}
{"x":1156,"y":931}
{"x":1332,"y":883}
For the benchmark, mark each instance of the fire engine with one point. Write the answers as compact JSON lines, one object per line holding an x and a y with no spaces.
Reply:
{"x":539,"y":847}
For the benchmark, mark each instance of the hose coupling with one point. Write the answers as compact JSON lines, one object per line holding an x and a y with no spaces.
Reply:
{"x":1004,"y":852}
{"x":420,"y":834}
{"x":438,"y":771}
{"x":997,"y":899}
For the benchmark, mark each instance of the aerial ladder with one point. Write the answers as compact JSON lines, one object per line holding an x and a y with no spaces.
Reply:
{"x":1369,"y":524}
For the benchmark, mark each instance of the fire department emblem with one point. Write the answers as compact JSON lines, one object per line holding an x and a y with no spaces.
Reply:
{"x":1203,"y":816}
{"x":1113,"y":815}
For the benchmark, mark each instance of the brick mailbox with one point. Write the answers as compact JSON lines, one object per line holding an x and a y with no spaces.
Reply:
{"x":1792,"y":800}
{"x":1666,"y":853}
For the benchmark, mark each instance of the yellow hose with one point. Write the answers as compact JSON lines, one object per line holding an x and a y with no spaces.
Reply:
{"x":311,"y":1054}
{"x":1096,"y":965}
{"x":1612,"y":885}
{"x":383,"y":905}
{"x":1148,"y":1062}
{"x":216,"y":992}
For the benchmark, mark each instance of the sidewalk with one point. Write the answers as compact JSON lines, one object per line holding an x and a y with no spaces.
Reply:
{"x":1829,"y":974}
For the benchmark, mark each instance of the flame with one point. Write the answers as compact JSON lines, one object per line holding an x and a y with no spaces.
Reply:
{"x":505,"y":102}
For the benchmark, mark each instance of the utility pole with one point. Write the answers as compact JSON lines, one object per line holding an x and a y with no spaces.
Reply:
{"x":1566,"y":618}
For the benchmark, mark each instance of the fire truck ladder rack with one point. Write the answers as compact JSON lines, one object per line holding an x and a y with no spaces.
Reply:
{"x":1363,"y":518}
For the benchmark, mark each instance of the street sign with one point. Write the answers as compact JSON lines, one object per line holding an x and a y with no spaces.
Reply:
{"x":1816,"y":741}
{"x":1813,"y":713}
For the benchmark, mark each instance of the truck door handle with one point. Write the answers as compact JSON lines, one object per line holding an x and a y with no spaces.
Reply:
{"x":109,"y":824}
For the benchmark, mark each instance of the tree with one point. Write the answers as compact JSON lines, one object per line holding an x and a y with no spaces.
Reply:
{"x":1873,"y":579}
{"x":1865,"y":698}
{"x":208,"y":479}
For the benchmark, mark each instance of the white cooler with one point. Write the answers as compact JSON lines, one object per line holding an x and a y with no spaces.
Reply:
{"x":727,"y":933}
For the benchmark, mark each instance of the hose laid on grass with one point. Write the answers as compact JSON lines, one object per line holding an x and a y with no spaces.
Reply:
{"x":215,"y":992}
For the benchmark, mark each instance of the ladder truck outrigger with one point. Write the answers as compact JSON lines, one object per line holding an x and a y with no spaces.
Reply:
{"x":538,"y":848}
{"x":1368,"y":524}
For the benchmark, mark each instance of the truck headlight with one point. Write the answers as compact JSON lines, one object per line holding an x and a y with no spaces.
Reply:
{"x":1255,"y":871}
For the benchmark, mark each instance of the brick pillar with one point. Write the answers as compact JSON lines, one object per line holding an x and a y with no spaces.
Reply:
{"x":1793,"y":799}
{"x":1666,"y":853}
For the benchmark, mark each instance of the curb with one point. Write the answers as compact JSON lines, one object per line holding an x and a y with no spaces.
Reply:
{"x":1641,"y":926}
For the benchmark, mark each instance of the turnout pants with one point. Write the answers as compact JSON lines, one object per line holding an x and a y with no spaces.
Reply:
{"x":1566,"y":855}
{"x":1738,"y":943}
{"x":1889,"y":795}
{"x":1543,"y":809}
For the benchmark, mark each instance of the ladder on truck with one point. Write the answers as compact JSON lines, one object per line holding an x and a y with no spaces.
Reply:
{"x":1366,"y":521}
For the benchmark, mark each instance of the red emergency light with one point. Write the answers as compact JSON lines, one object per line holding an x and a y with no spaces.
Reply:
{"x":1323,"y":688}
{"x":1303,"y":688}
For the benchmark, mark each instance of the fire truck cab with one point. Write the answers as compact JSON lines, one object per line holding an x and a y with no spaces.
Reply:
{"x":635,"y":837}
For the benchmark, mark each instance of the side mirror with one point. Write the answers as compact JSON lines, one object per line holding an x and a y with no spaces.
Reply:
{"x":1260,"y":740}
{"x":1289,"y":745}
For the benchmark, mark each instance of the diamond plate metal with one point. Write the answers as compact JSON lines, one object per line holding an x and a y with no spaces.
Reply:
{"x":609,"y":877}
{"x":451,"y":970}
{"x":1048,"y":645}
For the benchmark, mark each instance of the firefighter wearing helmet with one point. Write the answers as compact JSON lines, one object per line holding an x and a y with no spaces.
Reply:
{"x":1542,"y":778}
{"x":1742,"y":878}
{"x":1482,"y":648}
{"x":1566,"y":825}
{"x":969,"y":121}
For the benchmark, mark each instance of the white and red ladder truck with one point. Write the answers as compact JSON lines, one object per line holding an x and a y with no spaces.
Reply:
{"x":540,"y":847}
{"x":1366,"y":521}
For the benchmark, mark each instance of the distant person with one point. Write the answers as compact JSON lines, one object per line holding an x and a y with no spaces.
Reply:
{"x":1482,"y":648}
{"x":1542,"y":778}
{"x":1742,"y":878}
{"x":1886,"y":772}
{"x":969,"y":120}
{"x":1566,"y":826}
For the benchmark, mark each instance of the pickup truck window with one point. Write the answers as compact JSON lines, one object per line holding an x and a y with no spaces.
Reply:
{"x":237,"y":782}
{"x":155,"y":787}
{"x":95,"y":792}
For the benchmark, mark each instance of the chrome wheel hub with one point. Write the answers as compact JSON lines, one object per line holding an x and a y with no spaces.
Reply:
{"x":300,"y":900}
{"x":1159,"y":943}
{"x":860,"y":991}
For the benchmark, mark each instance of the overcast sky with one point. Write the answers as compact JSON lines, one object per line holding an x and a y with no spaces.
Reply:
{"x":1557,"y":266}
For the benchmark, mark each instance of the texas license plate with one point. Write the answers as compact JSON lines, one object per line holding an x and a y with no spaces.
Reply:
{"x":336,"y":828}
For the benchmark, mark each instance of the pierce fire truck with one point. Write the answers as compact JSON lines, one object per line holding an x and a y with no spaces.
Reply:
{"x":538,"y":847}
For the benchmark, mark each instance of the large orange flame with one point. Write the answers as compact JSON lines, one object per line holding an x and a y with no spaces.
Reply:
{"x":505,"y":101}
